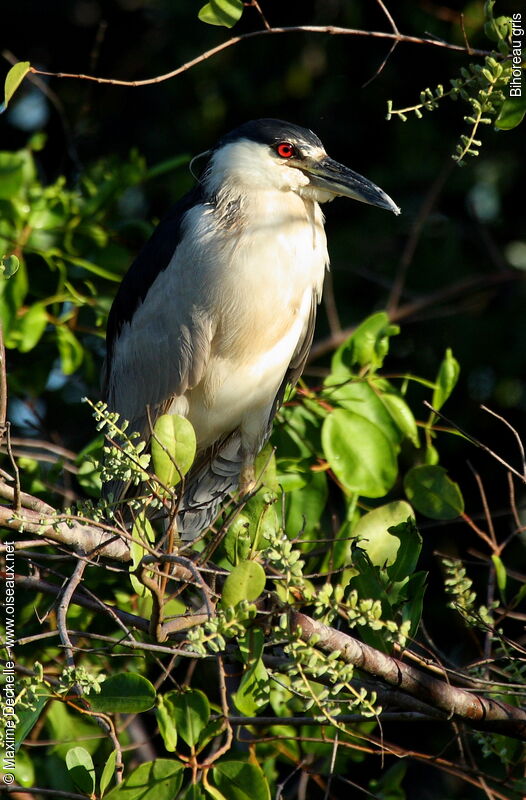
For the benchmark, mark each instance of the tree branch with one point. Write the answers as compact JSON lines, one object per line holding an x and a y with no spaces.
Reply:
{"x":472,"y":708}
{"x":323,"y":29}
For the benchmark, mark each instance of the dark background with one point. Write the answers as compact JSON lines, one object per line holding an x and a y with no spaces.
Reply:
{"x":474,"y":232}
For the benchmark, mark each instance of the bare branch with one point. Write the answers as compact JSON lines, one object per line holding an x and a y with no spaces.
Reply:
{"x":321,"y":29}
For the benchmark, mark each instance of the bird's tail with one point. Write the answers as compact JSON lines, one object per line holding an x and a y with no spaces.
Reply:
{"x":214,"y":476}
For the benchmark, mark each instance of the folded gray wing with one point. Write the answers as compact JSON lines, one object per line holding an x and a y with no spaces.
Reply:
{"x":159,"y":332}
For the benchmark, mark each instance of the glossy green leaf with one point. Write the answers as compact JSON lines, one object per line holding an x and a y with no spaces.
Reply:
{"x":221,"y":12}
{"x":191,"y":712}
{"x":254,"y":689}
{"x":108,"y":772}
{"x":70,"y":349}
{"x":80,"y":767}
{"x":173,"y":448}
{"x":245,"y":582}
{"x":359,"y":453}
{"x":124,"y":693}
{"x":401,"y":415}
{"x":14,"y":78}
{"x":361,"y":398}
{"x":500,"y":573}
{"x":238,"y":780}
{"x":155,"y":780}
{"x":166,"y":723}
{"x":512,"y":113}
{"x":372,"y":531}
{"x":446,"y":379}
{"x":369,"y":584}
{"x":9,"y":265}
{"x":368,"y":345}
{"x":433,"y":493}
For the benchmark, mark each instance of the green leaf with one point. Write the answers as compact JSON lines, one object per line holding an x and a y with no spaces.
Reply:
{"x":409,"y":550}
{"x":221,"y":12}
{"x":165,"y":721}
{"x":191,"y":712}
{"x":512,"y":113}
{"x":245,"y":582}
{"x":305,"y":505}
{"x":254,"y":689}
{"x":402,"y":415}
{"x":500,"y":572}
{"x":9,"y":265}
{"x":359,"y":453}
{"x":28,"y":717}
{"x":414,"y":590}
{"x":155,"y":780}
{"x":125,"y":693}
{"x":31,"y":327}
{"x":173,"y":448}
{"x":108,"y":772}
{"x":373,"y":531}
{"x":432,"y":493}
{"x":142,"y":533}
{"x":80,"y":767}
{"x":446,"y":379}
{"x":359,"y":397}
{"x":24,"y":770}
{"x":238,"y":780}
{"x":70,"y":349}
{"x":368,"y":345}
{"x":14,"y":78}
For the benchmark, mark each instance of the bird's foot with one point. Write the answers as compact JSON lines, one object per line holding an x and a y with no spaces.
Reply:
{"x":247,"y":479}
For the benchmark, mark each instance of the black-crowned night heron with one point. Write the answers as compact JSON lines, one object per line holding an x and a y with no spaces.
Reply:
{"x":215,"y":317}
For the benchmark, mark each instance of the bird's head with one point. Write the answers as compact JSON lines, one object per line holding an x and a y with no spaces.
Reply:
{"x":271,"y":154}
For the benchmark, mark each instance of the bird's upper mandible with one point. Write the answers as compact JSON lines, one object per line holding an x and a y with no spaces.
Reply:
{"x":216,"y":315}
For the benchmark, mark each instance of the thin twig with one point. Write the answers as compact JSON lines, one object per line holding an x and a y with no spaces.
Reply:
{"x":476,"y":442}
{"x":515,"y":433}
{"x":62,"y":610}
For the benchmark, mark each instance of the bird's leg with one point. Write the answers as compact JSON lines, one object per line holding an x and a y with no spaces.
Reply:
{"x":247,"y":476}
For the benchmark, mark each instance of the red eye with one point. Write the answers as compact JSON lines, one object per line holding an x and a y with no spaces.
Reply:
{"x":286,"y":150}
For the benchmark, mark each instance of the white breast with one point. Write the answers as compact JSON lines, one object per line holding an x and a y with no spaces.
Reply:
{"x":262,"y":282}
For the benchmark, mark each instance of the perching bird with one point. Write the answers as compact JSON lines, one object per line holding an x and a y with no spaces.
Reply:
{"x":215,"y":317}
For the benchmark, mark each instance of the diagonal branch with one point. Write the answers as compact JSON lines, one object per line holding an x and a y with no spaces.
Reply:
{"x":472,"y":708}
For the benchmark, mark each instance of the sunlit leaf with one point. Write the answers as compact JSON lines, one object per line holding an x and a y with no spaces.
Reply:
{"x":446,"y":379}
{"x":239,"y":780}
{"x":373,"y":534}
{"x":222,"y":12}
{"x":173,"y":448}
{"x":108,"y":772}
{"x":80,"y":767}
{"x":155,"y":780}
{"x":245,"y":582}
{"x":14,"y":78}
{"x":359,"y":453}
